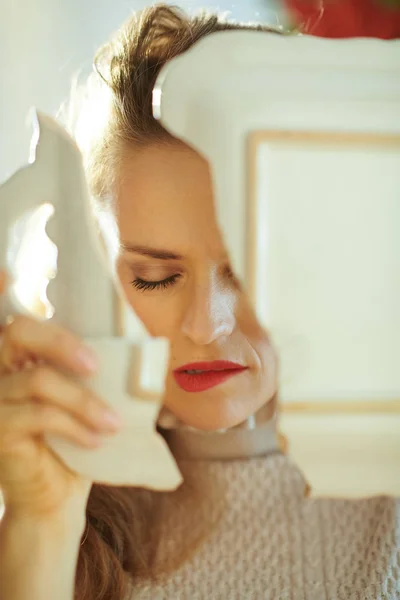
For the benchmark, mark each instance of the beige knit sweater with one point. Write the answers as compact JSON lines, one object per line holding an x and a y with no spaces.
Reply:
{"x":269,"y":543}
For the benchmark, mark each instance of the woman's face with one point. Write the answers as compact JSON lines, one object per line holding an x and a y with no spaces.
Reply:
{"x":176,"y":274}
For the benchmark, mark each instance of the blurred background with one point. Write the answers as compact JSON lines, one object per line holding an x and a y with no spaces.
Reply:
{"x":43,"y":43}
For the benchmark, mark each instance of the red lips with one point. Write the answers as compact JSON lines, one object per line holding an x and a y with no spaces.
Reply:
{"x":200,"y":376}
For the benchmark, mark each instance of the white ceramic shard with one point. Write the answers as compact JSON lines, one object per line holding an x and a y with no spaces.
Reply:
{"x":302,"y":135}
{"x":83,"y":295}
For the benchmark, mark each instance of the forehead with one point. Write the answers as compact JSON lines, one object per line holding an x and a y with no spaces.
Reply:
{"x":164,"y":195}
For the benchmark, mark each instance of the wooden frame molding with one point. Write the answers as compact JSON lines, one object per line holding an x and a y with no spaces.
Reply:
{"x":332,"y":138}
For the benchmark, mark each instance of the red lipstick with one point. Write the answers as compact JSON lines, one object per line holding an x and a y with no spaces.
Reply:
{"x":200,"y":376}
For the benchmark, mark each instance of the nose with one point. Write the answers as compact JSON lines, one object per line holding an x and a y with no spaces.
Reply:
{"x":209,"y":315}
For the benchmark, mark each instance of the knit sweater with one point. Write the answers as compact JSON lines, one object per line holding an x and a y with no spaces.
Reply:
{"x":269,"y":542}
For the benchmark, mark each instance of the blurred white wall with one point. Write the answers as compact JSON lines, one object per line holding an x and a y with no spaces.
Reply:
{"x":43,"y":43}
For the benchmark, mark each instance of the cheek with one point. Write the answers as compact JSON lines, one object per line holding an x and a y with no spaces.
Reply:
{"x":248,"y":321}
{"x":258,"y":338}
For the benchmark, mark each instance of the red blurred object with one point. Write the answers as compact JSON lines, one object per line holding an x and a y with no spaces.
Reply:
{"x":346,"y":18}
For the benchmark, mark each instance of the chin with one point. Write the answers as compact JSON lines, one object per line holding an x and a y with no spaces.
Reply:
{"x":210,"y":414}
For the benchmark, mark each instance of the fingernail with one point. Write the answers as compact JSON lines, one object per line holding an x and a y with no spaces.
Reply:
{"x":111,"y":419}
{"x":87,"y":358}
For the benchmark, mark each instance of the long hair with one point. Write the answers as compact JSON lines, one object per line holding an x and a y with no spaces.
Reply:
{"x":115,"y":110}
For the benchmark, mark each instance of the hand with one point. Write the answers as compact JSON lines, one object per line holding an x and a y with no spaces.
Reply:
{"x":38,"y":396}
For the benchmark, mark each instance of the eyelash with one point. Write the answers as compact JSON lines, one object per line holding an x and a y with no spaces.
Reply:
{"x":142,"y":285}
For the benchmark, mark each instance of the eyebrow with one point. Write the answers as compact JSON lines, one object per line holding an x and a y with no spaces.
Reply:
{"x":151,"y":252}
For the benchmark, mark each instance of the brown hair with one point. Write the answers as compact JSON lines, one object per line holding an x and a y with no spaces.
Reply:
{"x":124,"y":524}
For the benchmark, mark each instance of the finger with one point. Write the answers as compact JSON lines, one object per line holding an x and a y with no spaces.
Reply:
{"x":29,"y":361}
{"x":47,"y":386}
{"x":3,"y":278}
{"x":48,"y":341}
{"x":3,"y":281}
{"x":17,"y":423}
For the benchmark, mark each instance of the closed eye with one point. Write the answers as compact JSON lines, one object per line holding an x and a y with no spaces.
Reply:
{"x":143,"y":285}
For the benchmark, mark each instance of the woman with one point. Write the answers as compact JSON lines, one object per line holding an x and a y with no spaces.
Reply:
{"x":236,"y":528}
